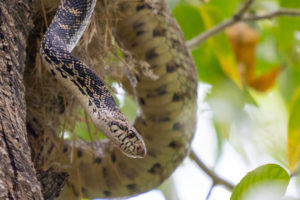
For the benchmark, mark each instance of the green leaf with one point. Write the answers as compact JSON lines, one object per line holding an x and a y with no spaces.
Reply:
{"x":285,"y":34}
{"x":289,"y":81}
{"x":227,"y":102}
{"x":228,"y":9}
{"x":189,"y":20}
{"x":129,"y":109}
{"x":207,"y":63}
{"x":294,"y":132}
{"x":211,"y":15}
{"x":265,"y":182}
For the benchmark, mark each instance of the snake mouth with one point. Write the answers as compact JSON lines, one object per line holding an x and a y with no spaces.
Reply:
{"x":138,"y":151}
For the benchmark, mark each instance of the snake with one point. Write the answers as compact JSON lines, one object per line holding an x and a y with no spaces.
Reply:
{"x":161,"y":134}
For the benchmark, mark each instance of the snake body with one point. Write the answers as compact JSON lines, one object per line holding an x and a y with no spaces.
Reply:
{"x":167,"y":104}
{"x":58,"y":42}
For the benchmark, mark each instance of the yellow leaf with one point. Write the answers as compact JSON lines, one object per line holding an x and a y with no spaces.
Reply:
{"x":243,"y":40}
{"x":294,"y":132}
{"x":220,"y":46}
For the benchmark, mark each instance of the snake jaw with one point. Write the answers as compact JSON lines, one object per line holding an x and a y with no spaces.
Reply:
{"x":127,"y":138}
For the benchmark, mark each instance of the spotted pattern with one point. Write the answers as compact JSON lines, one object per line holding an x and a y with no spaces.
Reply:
{"x":167,"y":105}
{"x":62,"y":35}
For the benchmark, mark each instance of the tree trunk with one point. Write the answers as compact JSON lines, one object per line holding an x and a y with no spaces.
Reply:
{"x":17,"y":174}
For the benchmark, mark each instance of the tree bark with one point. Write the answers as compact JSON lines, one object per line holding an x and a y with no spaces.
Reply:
{"x":17,"y":174}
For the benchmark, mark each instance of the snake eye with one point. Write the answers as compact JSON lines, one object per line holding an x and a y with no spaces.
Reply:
{"x":131,"y":134}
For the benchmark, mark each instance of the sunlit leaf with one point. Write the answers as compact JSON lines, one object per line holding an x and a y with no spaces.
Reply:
{"x":244,"y":40}
{"x":190,"y":20}
{"x":286,"y":34}
{"x":294,"y":132}
{"x":220,"y":45}
{"x":227,"y":102}
{"x":266,"y":182}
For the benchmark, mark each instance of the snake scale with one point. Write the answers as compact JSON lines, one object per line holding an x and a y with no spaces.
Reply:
{"x":166,"y":121}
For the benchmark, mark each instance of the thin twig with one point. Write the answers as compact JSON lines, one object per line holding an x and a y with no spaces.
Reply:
{"x":196,"y":41}
{"x":210,"y":191}
{"x":193,"y":43}
{"x":216,"y":179}
{"x":277,"y":13}
{"x":238,"y":17}
{"x":243,"y":9}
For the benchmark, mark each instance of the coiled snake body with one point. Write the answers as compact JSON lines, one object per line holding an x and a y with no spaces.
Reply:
{"x":167,"y":104}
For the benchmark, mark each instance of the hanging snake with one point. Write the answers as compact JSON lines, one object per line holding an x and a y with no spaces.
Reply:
{"x":162,"y":132}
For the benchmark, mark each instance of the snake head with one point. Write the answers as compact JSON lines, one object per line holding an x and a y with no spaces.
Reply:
{"x":128,"y":139}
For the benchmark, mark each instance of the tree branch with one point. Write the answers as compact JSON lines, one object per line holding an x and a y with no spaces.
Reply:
{"x":238,"y":17}
{"x":243,"y":9}
{"x":277,"y":13}
{"x":216,"y":179}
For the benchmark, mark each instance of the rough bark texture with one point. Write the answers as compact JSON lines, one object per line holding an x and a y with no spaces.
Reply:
{"x":17,"y":174}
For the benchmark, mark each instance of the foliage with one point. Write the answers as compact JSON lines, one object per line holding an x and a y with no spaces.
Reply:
{"x":271,"y":178}
{"x":245,"y":65}
{"x":254,"y":72}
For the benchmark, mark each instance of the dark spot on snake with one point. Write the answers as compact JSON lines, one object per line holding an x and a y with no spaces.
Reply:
{"x":157,"y":92}
{"x":150,"y":54}
{"x":104,"y":172}
{"x":177,"y":126}
{"x":155,"y":169}
{"x":171,"y":67}
{"x":159,"y":32}
{"x":143,"y":6}
{"x":94,"y":110}
{"x":137,"y":25}
{"x":1,"y":36}
{"x":79,"y":153}
{"x":113,"y":157}
{"x":97,"y":160}
{"x":142,"y":101}
{"x":176,"y":97}
{"x":90,"y":102}
{"x":138,"y":33}
{"x":134,"y":44}
{"x":131,"y":186}
{"x":175,"y":144}
{"x":163,"y":119}
{"x":106,"y":193}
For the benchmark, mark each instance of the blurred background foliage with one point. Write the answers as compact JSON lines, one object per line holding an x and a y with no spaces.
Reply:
{"x":253,"y":73}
